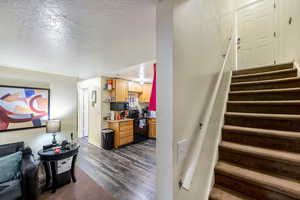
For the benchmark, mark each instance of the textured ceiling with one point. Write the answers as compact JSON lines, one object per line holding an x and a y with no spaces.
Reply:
{"x":82,"y":38}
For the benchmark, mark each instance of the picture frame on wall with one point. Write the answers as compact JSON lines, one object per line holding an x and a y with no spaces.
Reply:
{"x":23,"y":107}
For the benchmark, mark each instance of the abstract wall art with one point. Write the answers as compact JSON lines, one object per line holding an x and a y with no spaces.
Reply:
{"x":23,"y":107}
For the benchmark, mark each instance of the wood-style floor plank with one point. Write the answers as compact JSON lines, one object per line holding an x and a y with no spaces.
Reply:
{"x":127,"y":173}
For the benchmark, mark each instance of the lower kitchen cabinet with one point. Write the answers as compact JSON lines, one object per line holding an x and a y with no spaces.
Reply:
{"x":152,"y":127}
{"x":123,"y":131}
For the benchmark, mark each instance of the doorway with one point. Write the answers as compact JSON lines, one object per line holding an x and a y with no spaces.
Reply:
{"x":84,"y":113}
{"x":257,"y":39}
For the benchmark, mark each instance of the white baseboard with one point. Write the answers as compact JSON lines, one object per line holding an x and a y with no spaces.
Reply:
{"x":297,"y":66}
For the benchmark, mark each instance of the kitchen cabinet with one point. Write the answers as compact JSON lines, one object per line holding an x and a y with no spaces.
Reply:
{"x":123,"y":131}
{"x":119,"y":91}
{"x":152,"y":127}
{"x":134,"y":87}
{"x":146,"y":94}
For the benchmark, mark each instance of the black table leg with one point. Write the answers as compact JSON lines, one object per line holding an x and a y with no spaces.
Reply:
{"x":54,"y":174}
{"x":48,"y":174}
{"x":73,"y":168}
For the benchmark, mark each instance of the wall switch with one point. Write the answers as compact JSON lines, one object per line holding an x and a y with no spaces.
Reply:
{"x":182,"y":150}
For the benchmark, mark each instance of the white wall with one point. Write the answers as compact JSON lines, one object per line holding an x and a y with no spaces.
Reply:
{"x":242,"y":3}
{"x":94,"y":112}
{"x":165,"y":89}
{"x":105,"y":107}
{"x":289,"y":34}
{"x":200,"y":40}
{"x":192,"y":36}
{"x":63,"y":104}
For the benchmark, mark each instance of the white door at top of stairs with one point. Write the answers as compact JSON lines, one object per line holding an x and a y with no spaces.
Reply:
{"x":256,"y":43}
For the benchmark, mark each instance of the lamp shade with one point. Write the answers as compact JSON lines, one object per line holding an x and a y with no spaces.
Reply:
{"x":53,"y":126}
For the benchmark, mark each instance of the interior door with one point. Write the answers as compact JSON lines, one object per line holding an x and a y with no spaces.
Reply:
{"x":256,"y":43}
{"x":85,"y":112}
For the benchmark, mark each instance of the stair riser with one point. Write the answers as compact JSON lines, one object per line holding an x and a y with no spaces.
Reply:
{"x":266,"y":108}
{"x":278,"y":96}
{"x":288,"y":74}
{"x":249,"y":189}
{"x":264,"y":69}
{"x":261,"y":141}
{"x":262,"y":164}
{"x":278,"y":85}
{"x":275,"y":124}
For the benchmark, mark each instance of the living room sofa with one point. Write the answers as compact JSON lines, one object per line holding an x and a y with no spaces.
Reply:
{"x":25,"y":186}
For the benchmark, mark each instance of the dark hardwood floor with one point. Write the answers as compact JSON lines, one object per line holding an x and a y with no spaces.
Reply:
{"x":79,"y":190}
{"x":127,"y":173}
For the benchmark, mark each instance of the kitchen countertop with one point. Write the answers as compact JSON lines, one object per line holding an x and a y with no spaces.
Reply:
{"x":121,"y":120}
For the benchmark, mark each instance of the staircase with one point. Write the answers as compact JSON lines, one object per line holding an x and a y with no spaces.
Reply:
{"x":259,"y":155}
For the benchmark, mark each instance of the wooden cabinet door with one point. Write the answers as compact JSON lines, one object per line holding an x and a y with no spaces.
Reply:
{"x":138,"y":88}
{"x":148,"y":88}
{"x":146,"y":94}
{"x":134,"y":87}
{"x":152,"y":128}
{"x":121,"y":90}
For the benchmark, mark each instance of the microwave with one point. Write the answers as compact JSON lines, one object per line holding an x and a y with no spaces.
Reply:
{"x":116,"y":106}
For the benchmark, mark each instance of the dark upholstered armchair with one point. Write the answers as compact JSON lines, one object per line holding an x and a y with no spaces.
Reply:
{"x":26,"y":187}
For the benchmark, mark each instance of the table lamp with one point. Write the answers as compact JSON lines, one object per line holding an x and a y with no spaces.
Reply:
{"x":53,"y":126}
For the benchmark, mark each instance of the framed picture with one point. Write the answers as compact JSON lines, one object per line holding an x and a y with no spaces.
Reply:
{"x":23,"y":107}
{"x":94,"y":97}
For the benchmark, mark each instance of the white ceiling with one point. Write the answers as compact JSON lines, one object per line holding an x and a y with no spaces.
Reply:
{"x":82,"y":38}
{"x":142,"y":72}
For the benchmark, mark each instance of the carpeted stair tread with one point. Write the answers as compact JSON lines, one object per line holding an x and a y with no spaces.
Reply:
{"x":259,"y":155}
{"x":221,"y":193}
{"x":276,"y":184}
{"x":266,"y":81}
{"x":276,"y":83}
{"x":266,"y":91}
{"x":263,"y":115}
{"x":264,"y":68}
{"x":270,"y":154}
{"x":288,"y":102}
{"x":264,"y":73}
{"x":263,"y":132}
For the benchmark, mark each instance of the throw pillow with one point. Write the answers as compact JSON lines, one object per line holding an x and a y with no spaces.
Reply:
{"x":10,"y":166}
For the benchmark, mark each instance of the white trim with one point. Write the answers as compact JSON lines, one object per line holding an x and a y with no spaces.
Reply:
{"x":93,"y":143}
{"x":193,"y":157}
{"x":297,"y":66}
{"x":236,"y":39}
{"x":83,"y":107}
{"x":277,"y":30}
{"x":248,"y":4}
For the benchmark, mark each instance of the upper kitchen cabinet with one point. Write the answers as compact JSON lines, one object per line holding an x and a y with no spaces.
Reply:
{"x":134,"y":87}
{"x":119,"y":91}
{"x":145,"y":96}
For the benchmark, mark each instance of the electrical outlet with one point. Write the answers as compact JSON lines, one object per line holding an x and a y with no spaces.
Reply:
{"x":182,"y":149}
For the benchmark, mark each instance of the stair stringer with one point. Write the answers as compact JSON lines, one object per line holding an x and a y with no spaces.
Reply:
{"x":211,"y":179}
